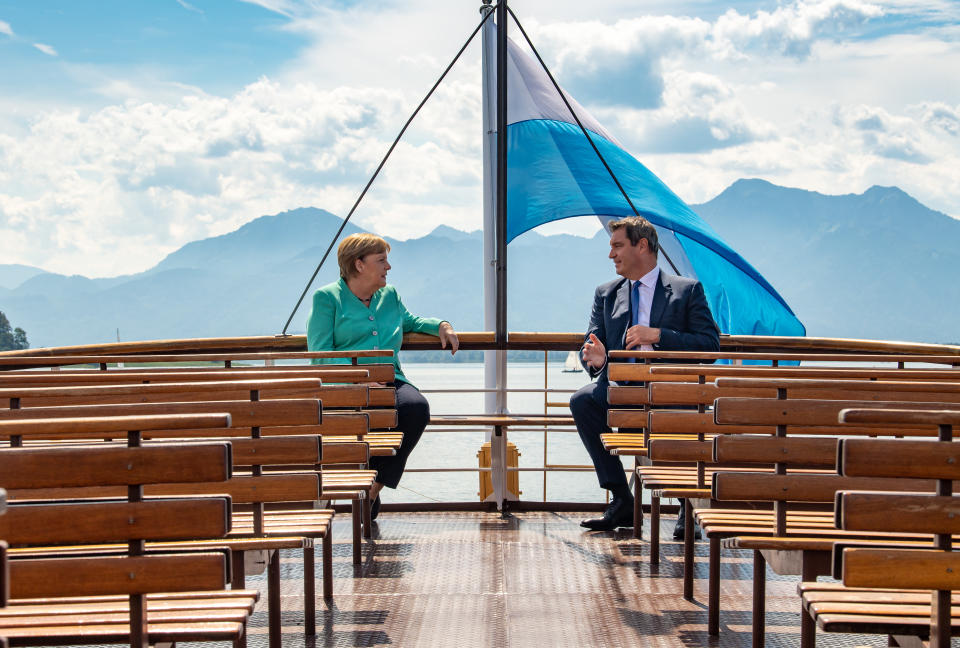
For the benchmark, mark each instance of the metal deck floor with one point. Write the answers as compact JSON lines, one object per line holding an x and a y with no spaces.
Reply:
{"x":533,"y":579}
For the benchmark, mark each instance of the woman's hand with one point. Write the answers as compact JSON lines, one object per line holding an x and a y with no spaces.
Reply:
{"x":448,"y":335}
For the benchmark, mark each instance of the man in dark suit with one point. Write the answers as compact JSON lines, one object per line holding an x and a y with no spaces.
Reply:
{"x":645,"y":309}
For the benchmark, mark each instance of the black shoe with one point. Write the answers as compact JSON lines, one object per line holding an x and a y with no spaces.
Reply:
{"x":678,"y":531}
{"x":375,"y":509}
{"x":618,"y":514}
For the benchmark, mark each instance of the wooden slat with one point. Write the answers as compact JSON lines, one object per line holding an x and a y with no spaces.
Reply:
{"x":904,"y":414}
{"x":900,"y":458}
{"x":711,"y":372}
{"x":39,"y":578}
{"x":762,"y":411}
{"x":71,"y":467}
{"x":627,"y":395}
{"x":820,"y":384}
{"x":685,"y":393}
{"x":670,"y":450}
{"x":69,"y":421}
{"x":306,"y":449}
{"x":634,"y":419}
{"x":8,"y":391}
{"x":334,"y":423}
{"x":345,"y":453}
{"x":96,"y":358}
{"x":298,"y":487}
{"x":243,"y":413}
{"x":810,"y":451}
{"x":901,"y":568}
{"x":914,"y":513}
{"x":766,"y":487}
{"x":92,"y":522}
{"x":180,"y":374}
{"x":382,"y":418}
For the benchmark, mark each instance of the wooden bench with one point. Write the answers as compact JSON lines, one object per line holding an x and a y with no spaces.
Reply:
{"x":4,"y":567}
{"x":139,"y":572}
{"x":904,"y":592}
{"x":265,"y":532}
{"x":735,"y":527}
{"x":642,"y":367}
{"x":354,"y":485}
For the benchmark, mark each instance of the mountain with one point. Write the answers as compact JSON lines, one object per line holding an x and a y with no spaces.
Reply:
{"x":872,"y":265}
{"x":14,"y":274}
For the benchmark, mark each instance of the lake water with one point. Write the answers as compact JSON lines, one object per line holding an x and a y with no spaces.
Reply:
{"x":458,"y":449}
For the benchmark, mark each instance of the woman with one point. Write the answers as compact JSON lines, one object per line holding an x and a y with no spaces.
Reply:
{"x":360,"y":311}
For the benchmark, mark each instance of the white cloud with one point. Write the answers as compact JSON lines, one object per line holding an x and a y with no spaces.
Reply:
{"x":795,"y":95}
{"x":189,"y":7}
{"x":5,"y":28}
{"x":46,"y":49}
{"x":115,"y":190}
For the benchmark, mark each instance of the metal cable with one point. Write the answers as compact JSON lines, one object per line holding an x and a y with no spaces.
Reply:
{"x":585,"y":132}
{"x":363,"y":193}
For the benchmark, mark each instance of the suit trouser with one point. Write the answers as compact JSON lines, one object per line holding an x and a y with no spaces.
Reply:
{"x":413,"y":414}
{"x":589,"y":407}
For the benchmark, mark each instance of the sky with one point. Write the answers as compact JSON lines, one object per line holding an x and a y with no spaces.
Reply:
{"x":131,"y":127}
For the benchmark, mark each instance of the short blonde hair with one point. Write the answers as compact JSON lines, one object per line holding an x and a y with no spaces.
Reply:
{"x":357,"y":246}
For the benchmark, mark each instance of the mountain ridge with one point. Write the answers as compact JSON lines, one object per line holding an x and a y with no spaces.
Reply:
{"x":874,"y":265}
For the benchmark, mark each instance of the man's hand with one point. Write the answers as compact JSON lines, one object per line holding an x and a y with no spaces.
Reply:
{"x":448,"y":336}
{"x":593,"y":352}
{"x":639,"y":335}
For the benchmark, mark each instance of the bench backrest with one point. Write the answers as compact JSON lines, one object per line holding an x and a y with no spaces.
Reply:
{"x":130,"y":519}
{"x":935,"y":569}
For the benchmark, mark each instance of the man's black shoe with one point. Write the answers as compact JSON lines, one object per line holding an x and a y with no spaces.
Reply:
{"x":375,"y":508}
{"x":678,"y":530}
{"x":618,"y":514}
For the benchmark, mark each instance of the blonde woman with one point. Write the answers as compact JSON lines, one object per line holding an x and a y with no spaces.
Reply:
{"x":360,"y":311}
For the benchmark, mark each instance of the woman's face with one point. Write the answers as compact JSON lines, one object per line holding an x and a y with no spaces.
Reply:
{"x":373,"y":269}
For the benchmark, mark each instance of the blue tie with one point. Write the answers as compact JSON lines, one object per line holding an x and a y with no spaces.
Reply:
{"x":635,"y":303}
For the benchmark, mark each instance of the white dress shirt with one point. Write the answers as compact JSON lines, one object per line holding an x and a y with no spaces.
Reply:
{"x":648,"y":284}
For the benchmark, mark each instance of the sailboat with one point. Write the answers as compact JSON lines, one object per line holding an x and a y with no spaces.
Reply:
{"x":572,"y":363}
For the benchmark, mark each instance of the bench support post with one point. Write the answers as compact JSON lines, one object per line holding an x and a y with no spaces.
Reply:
{"x":688,"y":540}
{"x":309,"y":592}
{"x":637,"y":502}
{"x":713,"y":595}
{"x":273,"y":599}
{"x":654,"y":529}
{"x":356,"y":512}
{"x":327,"y":558}
{"x":808,"y":627}
{"x":759,"y":598}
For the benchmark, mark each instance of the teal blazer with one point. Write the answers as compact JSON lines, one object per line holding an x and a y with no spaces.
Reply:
{"x":339,"y":321}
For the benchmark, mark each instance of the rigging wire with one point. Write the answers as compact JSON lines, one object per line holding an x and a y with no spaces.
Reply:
{"x":582,"y":128}
{"x":396,"y":141}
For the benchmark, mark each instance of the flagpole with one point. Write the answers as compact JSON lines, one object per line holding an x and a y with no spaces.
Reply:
{"x":494,"y":402}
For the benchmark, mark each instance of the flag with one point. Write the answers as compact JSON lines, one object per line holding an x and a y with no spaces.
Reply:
{"x":554,"y":173}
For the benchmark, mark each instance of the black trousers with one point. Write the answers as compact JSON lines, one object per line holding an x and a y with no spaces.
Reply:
{"x":413,"y":414}
{"x":589,"y":407}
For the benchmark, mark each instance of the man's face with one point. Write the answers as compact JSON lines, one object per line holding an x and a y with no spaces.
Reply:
{"x":629,"y":261}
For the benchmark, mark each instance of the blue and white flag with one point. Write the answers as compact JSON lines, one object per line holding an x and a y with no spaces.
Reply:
{"x":553,"y":173}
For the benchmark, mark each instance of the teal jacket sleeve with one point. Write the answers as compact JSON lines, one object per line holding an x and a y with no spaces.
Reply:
{"x":413,"y":324}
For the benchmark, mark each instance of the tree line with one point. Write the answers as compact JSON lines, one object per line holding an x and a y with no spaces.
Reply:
{"x":11,"y":339}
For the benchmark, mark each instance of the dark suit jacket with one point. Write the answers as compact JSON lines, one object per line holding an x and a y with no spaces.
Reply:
{"x":679,"y":310}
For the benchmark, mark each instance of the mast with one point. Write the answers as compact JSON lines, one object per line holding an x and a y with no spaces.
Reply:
{"x":494,"y":209}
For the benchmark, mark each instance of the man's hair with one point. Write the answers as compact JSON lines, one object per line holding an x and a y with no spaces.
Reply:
{"x":357,"y":246}
{"x":636,"y":228}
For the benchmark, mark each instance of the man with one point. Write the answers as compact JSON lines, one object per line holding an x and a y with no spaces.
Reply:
{"x":646,"y":310}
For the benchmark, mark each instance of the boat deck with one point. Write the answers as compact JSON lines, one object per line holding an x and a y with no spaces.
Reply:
{"x":534,"y":578}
